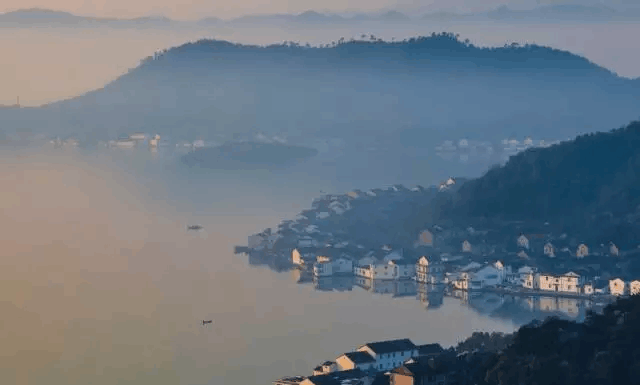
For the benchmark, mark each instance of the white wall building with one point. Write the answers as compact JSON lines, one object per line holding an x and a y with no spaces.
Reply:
{"x":325,"y":266}
{"x":300,"y":258}
{"x":523,"y":241}
{"x":390,"y":270}
{"x":616,"y":287}
{"x":488,"y":276}
{"x":422,"y":270}
{"x":566,"y":283}
{"x":549,"y":250}
{"x":582,"y":251}
{"x":613,"y":250}
{"x":390,"y":354}
{"x":634,"y":287}
{"x":355,"y":360}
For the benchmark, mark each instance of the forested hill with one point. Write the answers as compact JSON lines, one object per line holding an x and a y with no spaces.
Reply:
{"x":414,"y":92}
{"x":602,"y":350}
{"x":438,"y":50}
{"x":593,"y":180}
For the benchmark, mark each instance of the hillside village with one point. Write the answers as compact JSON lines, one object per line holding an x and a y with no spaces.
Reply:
{"x":360,"y":234}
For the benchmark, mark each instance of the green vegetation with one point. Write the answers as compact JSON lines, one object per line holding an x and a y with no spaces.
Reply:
{"x":590,"y":184}
{"x":605,"y":349}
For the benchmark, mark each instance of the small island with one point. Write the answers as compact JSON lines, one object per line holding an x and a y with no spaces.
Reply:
{"x":238,"y":155}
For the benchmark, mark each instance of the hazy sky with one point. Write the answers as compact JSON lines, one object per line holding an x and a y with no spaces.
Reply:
{"x":189,"y":9}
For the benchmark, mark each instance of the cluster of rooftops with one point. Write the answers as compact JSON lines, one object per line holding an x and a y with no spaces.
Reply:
{"x":365,"y":365}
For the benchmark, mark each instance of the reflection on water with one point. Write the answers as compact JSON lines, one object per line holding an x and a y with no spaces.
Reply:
{"x":101,"y":283}
{"x":516,"y":308}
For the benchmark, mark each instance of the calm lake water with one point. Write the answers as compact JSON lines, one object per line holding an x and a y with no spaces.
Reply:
{"x":100,"y":283}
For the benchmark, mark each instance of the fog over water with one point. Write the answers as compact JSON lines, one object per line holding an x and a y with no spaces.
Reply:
{"x":100,"y":283}
{"x":47,"y":64}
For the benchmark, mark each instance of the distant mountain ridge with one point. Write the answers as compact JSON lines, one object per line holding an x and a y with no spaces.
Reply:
{"x":363,"y":89}
{"x":544,"y":13}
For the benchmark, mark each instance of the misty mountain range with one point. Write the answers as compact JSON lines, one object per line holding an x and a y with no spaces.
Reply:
{"x":559,"y":12}
{"x":404,"y":94}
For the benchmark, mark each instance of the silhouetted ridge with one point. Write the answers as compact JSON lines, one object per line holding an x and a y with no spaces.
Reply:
{"x":420,"y":51}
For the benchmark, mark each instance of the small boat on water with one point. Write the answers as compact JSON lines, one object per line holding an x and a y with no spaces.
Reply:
{"x":206,"y":322}
{"x":194,"y":227}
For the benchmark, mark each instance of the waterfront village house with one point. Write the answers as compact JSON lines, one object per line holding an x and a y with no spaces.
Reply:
{"x":462,"y":283}
{"x":523,"y":241}
{"x":582,"y":251}
{"x":326,"y":266}
{"x":422,"y":270}
{"x":566,"y":283}
{"x":466,"y":247}
{"x":587,"y":289}
{"x":616,"y":287}
{"x":325,"y":368}
{"x":323,"y":267}
{"x":425,"y":239}
{"x":356,"y":360}
{"x":634,"y":287}
{"x":613,"y":250}
{"x":488,"y":276}
{"x":527,"y":278}
{"x":350,"y":377}
{"x":523,"y":254}
{"x":391,"y":270}
{"x":390,"y":354}
{"x":549,"y":250}
{"x":299,"y":258}
{"x":418,"y":372}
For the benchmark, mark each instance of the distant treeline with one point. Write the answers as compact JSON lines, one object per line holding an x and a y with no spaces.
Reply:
{"x":422,"y":51}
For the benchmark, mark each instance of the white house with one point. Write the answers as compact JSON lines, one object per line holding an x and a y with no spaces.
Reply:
{"x":342,"y":265}
{"x":326,"y":266}
{"x":526,"y":277}
{"x":425,"y":238}
{"x":566,"y":283}
{"x":466,"y":246}
{"x":613,"y":250}
{"x":422,"y":270}
{"x":523,"y":241}
{"x":488,"y":276}
{"x":391,"y":270}
{"x":325,"y":368}
{"x":582,"y":251}
{"x":322,"y":215}
{"x":355,"y":360}
{"x":549,"y":250}
{"x":616,"y":287}
{"x":634,"y":287}
{"x":587,"y":289}
{"x":390,"y":354}
{"x":299,"y":258}
{"x":323,"y":268}
{"x":462,"y":282}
